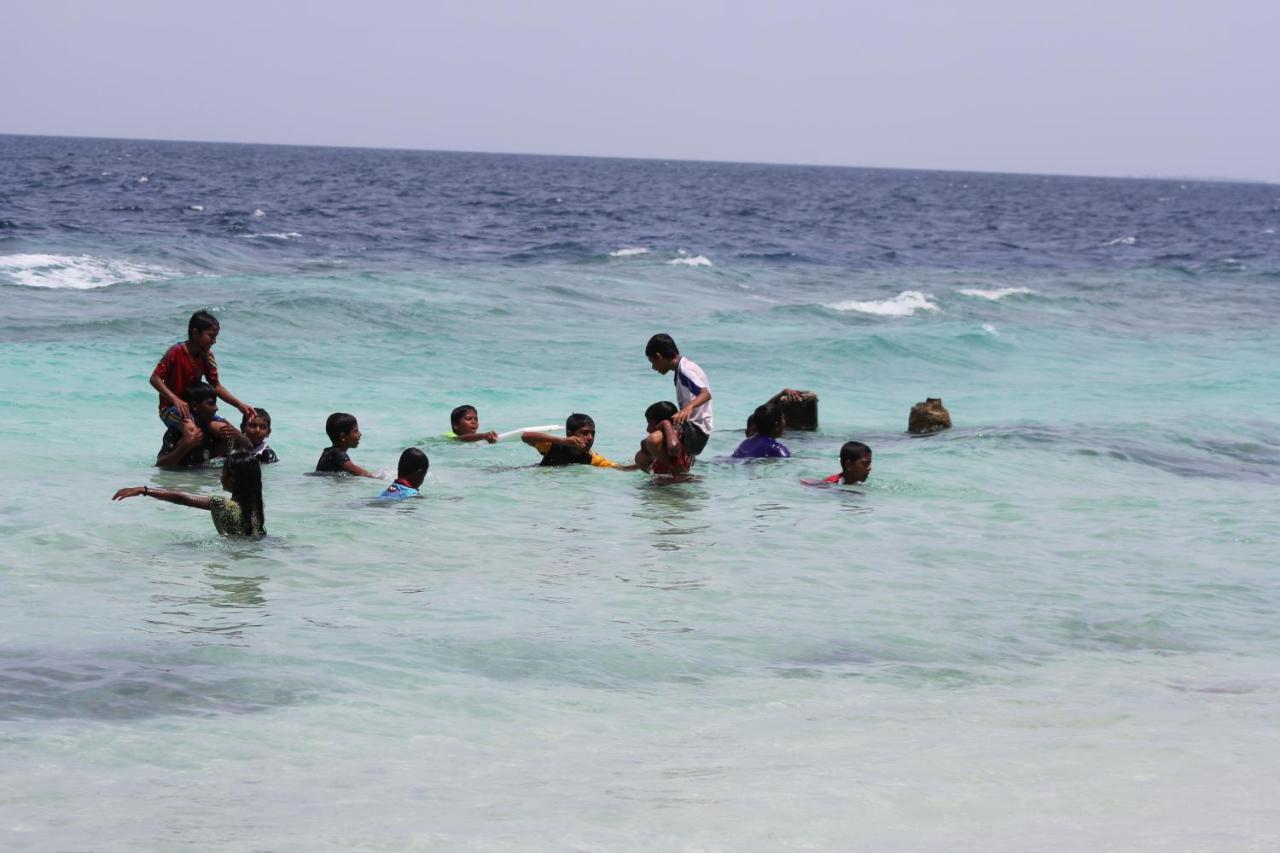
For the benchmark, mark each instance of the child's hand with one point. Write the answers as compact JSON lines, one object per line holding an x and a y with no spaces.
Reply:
{"x":576,"y":441}
{"x":222,"y":429}
{"x":248,"y":411}
{"x":131,"y":492}
{"x":491,"y":437}
{"x":681,"y":416}
{"x":184,"y":410}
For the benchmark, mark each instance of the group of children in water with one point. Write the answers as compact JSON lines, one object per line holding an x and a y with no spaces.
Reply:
{"x":189,"y":385}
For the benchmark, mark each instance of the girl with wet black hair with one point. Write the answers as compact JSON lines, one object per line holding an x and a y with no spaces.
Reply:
{"x":239,"y":515}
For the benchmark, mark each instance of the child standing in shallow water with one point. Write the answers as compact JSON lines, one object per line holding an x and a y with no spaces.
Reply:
{"x":239,"y":515}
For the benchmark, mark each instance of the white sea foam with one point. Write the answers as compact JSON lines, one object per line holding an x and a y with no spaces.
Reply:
{"x":990,"y":329}
{"x":74,"y":272}
{"x":198,"y":208}
{"x":694,"y":261}
{"x":630,"y":252}
{"x":273,"y":235}
{"x":258,"y":213}
{"x":143,"y":179}
{"x":1268,"y":230}
{"x":1121,"y":241}
{"x":998,"y":293}
{"x":904,"y":304}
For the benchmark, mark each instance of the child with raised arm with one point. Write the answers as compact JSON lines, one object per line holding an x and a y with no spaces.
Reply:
{"x":188,"y":362}
{"x":205,"y":435}
{"x":763,"y":443}
{"x":239,"y":515}
{"x":410,"y":473}
{"x":693,"y":392}
{"x":465,"y":421}
{"x":344,"y":432}
{"x":663,"y":450}
{"x":257,"y":429}
{"x":573,"y":448}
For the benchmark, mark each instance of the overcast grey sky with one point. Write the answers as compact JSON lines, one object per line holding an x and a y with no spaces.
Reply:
{"x":1125,"y":87}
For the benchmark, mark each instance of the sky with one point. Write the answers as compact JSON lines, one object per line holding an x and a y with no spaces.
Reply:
{"x":1126,"y":87}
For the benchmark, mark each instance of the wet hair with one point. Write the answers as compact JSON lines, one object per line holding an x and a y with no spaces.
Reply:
{"x":663,"y":410}
{"x":851,"y":451}
{"x":198,"y":392}
{"x":258,"y":414}
{"x":768,"y":418}
{"x":339,"y":424}
{"x":412,"y":462}
{"x":577,"y":421}
{"x":751,"y":429}
{"x":661,"y":345}
{"x":201,"y":321}
{"x":458,"y":413}
{"x":246,"y":490}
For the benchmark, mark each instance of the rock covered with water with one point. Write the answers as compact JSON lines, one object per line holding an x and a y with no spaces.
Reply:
{"x":929,"y":416}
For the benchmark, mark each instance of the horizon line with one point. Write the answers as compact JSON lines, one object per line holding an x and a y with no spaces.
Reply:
{"x":1197,"y":179}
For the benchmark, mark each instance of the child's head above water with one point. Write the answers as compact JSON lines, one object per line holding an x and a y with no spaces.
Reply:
{"x":257,"y":427}
{"x":855,"y":462}
{"x":663,"y":410}
{"x":768,"y":420}
{"x":203,"y":401}
{"x":413,"y":467}
{"x":464,"y":420}
{"x":202,"y":331}
{"x":662,"y":352}
{"x":581,"y":425}
{"x":343,"y":430}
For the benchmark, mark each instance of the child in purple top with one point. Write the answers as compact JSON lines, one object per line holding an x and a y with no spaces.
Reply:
{"x":769,"y":424}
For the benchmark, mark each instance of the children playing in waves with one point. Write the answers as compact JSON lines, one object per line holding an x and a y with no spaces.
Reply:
{"x":410,"y":474}
{"x":465,"y":421}
{"x":663,"y":450}
{"x":693,"y":392}
{"x":763,"y":428}
{"x":203,"y":435}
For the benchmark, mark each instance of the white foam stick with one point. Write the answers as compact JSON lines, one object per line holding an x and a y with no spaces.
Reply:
{"x":503,"y":436}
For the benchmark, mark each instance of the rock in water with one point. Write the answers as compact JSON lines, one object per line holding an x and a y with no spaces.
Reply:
{"x":801,"y":411}
{"x":929,"y":416}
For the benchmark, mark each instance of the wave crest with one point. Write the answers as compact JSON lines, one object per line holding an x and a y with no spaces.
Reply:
{"x":904,"y":304}
{"x":74,"y":272}
{"x":993,"y":295}
{"x":694,"y":261}
{"x":629,"y":252}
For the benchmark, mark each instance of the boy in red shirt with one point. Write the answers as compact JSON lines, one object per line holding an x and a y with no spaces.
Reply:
{"x":187,"y":363}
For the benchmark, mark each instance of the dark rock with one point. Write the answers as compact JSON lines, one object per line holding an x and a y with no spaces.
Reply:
{"x":929,"y":416}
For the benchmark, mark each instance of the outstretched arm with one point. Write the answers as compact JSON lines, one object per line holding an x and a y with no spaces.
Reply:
{"x":225,"y":394}
{"x":490,"y":436}
{"x":167,"y":495}
{"x":533,"y":439}
{"x":352,"y":468}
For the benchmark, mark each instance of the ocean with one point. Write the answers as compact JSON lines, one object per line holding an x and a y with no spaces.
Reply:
{"x":1052,"y":627}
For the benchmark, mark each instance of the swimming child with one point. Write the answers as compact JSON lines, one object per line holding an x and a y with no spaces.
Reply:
{"x":257,"y":429}
{"x":693,"y":392}
{"x":769,"y":424}
{"x":465,"y":421}
{"x":409,"y":476}
{"x":345,"y":434}
{"x":573,"y":448}
{"x":205,"y":436}
{"x":855,"y":464}
{"x":188,"y":362}
{"x":239,"y":515}
{"x":663,"y":450}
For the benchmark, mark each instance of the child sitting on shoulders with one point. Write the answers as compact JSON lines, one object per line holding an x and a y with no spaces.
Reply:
{"x":663,"y":450}
{"x":186,"y":363}
{"x":465,"y":421}
{"x":203,"y":437}
{"x":239,"y":515}
{"x":345,"y":434}
{"x":257,"y":429}
{"x":855,"y":464}
{"x":693,"y":392}
{"x":410,"y":473}
{"x":769,"y":423}
{"x":573,"y":448}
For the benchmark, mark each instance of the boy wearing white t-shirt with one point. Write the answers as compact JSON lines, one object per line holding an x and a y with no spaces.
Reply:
{"x":693,"y":392}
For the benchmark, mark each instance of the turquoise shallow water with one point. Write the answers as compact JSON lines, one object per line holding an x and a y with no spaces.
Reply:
{"x":1053,"y":627}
